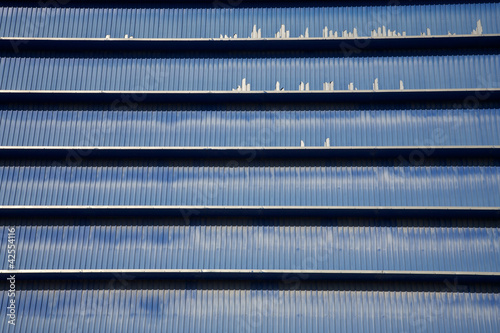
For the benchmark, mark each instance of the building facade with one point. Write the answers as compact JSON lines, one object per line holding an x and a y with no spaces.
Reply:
{"x":247,"y":166}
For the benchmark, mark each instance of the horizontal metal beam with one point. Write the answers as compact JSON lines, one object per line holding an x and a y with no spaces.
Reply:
{"x":349,"y":46}
{"x":252,"y":274}
{"x":188,"y":211}
{"x":469,"y":96}
{"x":417,"y":153}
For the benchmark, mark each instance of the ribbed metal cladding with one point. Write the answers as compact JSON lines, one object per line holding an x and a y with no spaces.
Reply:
{"x":248,"y":126}
{"x":306,"y":183}
{"x":255,"y":220}
{"x":211,"y":22}
{"x":246,"y":243}
{"x":135,"y":306}
{"x":202,"y":74}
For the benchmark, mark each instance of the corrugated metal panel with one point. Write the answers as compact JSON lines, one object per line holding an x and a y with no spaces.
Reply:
{"x":286,"y":244}
{"x":294,"y":305}
{"x":300,"y":183}
{"x":416,"y":72}
{"x":248,"y":126}
{"x":129,"y":306}
{"x":212,"y":22}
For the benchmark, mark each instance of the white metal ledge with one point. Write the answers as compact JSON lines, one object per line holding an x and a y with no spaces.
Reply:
{"x":351,"y":45}
{"x":469,"y":96}
{"x":251,"y":274}
{"x":84,"y":152}
{"x":194,"y":211}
